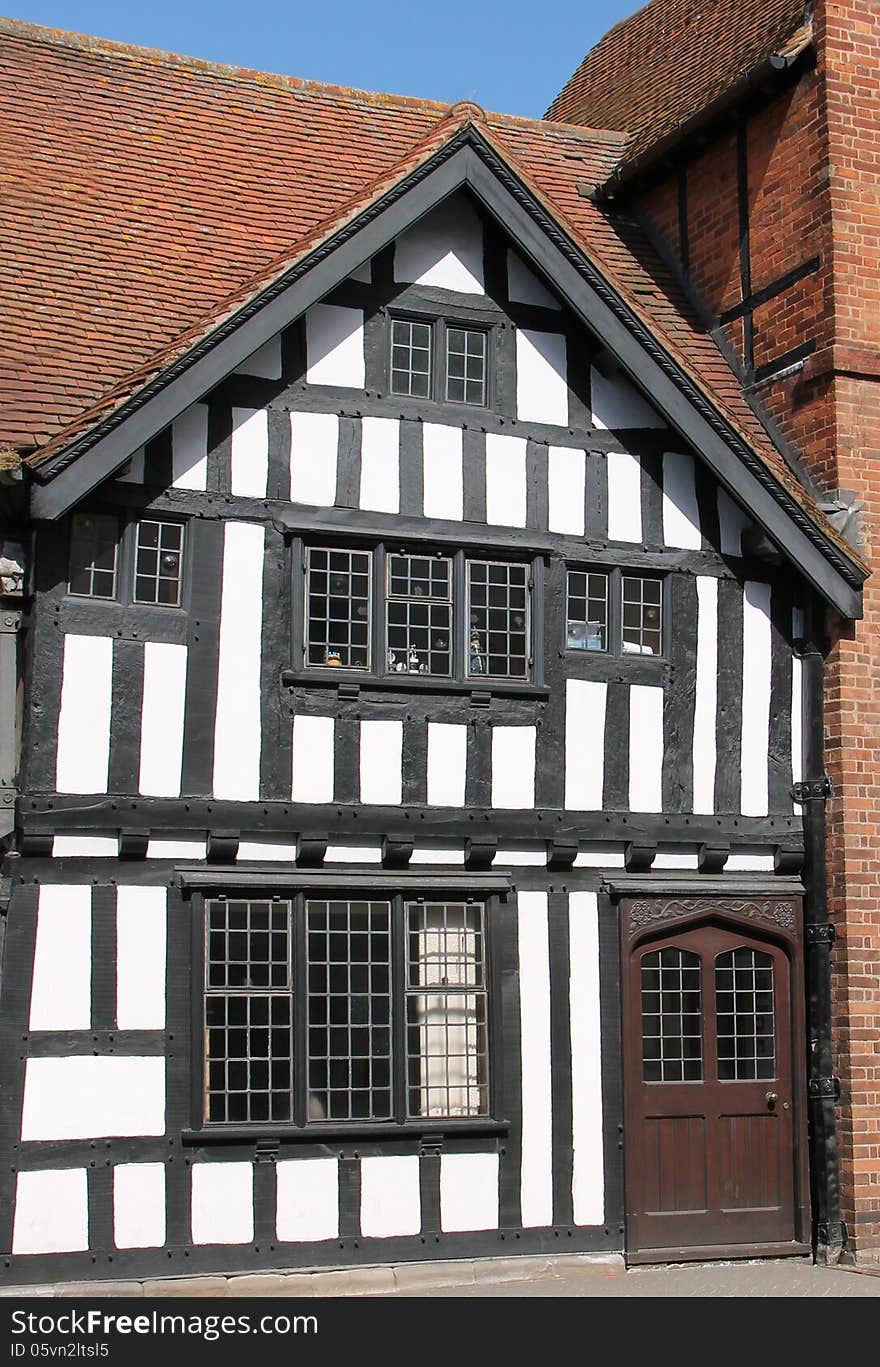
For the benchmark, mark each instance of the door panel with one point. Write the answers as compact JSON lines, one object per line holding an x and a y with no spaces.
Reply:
{"x":712,"y":1151}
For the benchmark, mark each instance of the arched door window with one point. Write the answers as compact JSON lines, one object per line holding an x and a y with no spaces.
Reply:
{"x":672,"y":1039}
{"x":744,"y":1015}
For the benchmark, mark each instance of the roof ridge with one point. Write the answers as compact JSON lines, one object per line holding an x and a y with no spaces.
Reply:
{"x":111,"y":47}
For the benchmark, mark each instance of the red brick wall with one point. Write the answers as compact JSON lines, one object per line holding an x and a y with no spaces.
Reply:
{"x":814,"y":189}
{"x":848,"y":36}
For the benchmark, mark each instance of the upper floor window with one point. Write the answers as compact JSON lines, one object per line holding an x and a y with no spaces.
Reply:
{"x":441,"y":615}
{"x":140,"y":563}
{"x":440,"y":360}
{"x":614,"y":611}
{"x":94,"y":551}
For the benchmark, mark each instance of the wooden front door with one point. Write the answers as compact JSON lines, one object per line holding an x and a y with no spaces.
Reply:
{"x":713,"y":1118}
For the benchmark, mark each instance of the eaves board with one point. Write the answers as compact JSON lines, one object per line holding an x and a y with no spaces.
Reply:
{"x":467,"y":160}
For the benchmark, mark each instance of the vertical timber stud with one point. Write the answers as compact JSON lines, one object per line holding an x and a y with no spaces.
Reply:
{"x":829,"y":1232}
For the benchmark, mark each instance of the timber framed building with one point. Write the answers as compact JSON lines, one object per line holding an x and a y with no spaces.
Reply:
{"x":415,"y":844}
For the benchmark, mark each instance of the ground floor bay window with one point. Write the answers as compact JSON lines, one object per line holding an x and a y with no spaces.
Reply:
{"x":316,"y":1009}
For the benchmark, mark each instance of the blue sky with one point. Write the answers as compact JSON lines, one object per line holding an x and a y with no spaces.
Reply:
{"x":508,"y":55}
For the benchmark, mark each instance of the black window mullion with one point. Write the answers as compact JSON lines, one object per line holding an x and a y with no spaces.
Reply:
{"x":399,"y":1060}
{"x":198,"y":1080}
{"x":494,"y":1018}
{"x":460,"y":617}
{"x":299,"y":1011}
{"x":535,"y":633}
{"x":615,"y":611}
{"x":379,"y":609}
{"x":297,"y":602}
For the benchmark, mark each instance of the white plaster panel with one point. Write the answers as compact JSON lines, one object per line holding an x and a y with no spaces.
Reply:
{"x":250,"y":452}
{"x":85,"y":846}
{"x":313,"y":739}
{"x":513,"y":766}
{"x":505,"y":480}
{"x":528,"y":855}
{"x":354,"y":852}
{"x":162,"y":713}
{"x":175,"y":847}
{"x":536,"y":1164}
{"x":189,"y":448}
{"x":61,"y":993}
{"x":442,"y":482}
{"x":381,"y":762}
{"x":139,"y":1205}
{"x":588,"y":1153}
{"x":335,"y":346}
{"x":93,"y":1097}
{"x":380,"y":465}
{"x":676,"y":857}
{"x":681,"y":513}
{"x":617,"y":403}
{"x":447,"y":763}
{"x":732,"y":522}
{"x":141,"y":934}
{"x":645,"y":748}
{"x":135,"y":472}
{"x":222,"y":1203}
{"x":524,"y":287}
{"x":51,"y":1211}
{"x":598,"y":855}
{"x":706,"y":696}
{"x":314,"y":447}
{"x":84,"y":719}
{"x":541,"y":377}
{"x":444,"y":249}
{"x":757,"y":651}
{"x":624,"y":496}
{"x":749,"y":859}
{"x":265,"y":362}
{"x":364,"y":273}
{"x":585,"y":701}
{"x":308,"y":1200}
{"x":390,"y":1197}
{"x":237,"y":726}
{"x":468,"y":1191}
{"x":798,"y":629}
{"x":439,"y":852}
{"x":566,"y":478}
{"x":277,"y":851}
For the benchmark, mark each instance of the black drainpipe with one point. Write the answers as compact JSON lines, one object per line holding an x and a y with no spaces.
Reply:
{"x":823,"y":1088}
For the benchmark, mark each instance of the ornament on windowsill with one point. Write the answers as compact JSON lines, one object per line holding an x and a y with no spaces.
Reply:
{"x":333,"y":658}
{"x":414,"y":661}
{"x":477,"y":662}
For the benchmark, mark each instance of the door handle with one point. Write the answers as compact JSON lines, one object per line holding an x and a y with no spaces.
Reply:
{"x":771,"y":1098}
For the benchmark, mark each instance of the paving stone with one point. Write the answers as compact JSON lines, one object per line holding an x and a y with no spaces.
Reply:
{"x":355,"y":1281}
{"x":272,"y":1284}
{"x":588,"y":1264}
{"x":98,"y":1289}
{"x":422,"y":1276}
{"x":30,"y":1292}
{"x":187,"y":1286}
{"x":512,"y":1269}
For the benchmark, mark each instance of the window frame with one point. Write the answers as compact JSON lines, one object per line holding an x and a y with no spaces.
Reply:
{"x":484,"y":890}
{"x":614,"y":577}
{"x":377,"y":670}
{"x":127,"y":524}
{"x":439,"y":324}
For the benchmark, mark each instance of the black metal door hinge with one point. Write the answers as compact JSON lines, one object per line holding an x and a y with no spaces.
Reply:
{"x":811,"y":790}
{"x":825,"y":933}
{"x":824,"y":1088}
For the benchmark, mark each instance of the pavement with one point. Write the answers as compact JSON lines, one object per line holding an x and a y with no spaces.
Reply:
{"x":569,"y":1275}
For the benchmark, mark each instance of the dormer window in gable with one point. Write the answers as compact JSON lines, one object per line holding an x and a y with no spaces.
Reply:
{"x":441,"y":359}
